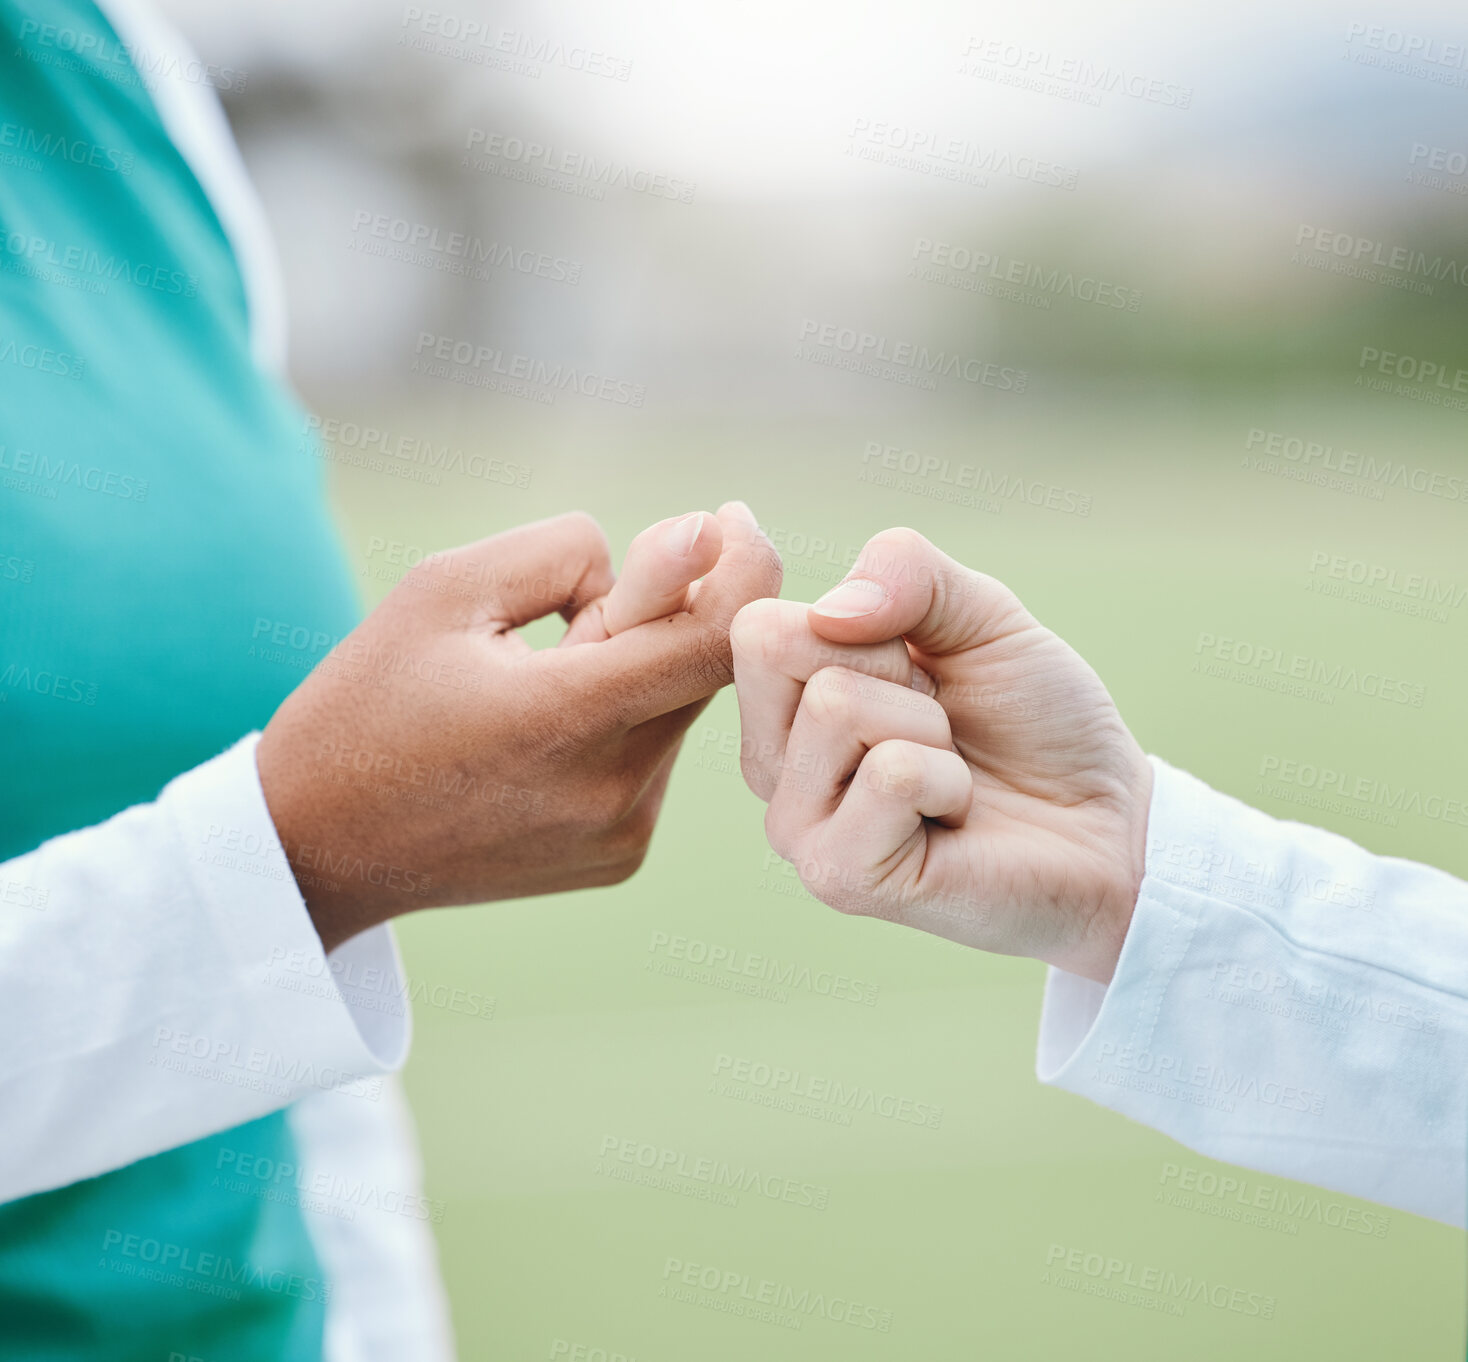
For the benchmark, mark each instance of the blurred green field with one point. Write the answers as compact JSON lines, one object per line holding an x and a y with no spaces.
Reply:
{"x":946,"y":1228}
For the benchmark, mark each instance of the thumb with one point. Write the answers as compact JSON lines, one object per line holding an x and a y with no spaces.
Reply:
{"x":520,"y":574}
{"x":902,"y":585}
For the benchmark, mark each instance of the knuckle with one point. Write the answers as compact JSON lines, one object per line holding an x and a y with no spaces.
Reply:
{"x":897,"y":769}
{"x":887,"y":661}
{"x":927,"y":711}
{"x":831,"y":697}
{"x":757,"y":776}
{"x":769,"y":568}
{"x":844,"y":904}
{"x":628,"y":840}
{"x":779,"y":835}
{"x":622,"y":841}
{"x":433,"y":588}
{"x":1002,"y":605}
{"x":903,"y":537}
{"x":710,"y":662}
{"x":757,"y":632}
{"x":900,"y":545}
{"x":583,"y":523}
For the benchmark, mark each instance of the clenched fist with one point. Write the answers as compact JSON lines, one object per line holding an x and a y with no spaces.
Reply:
{"x":934,"y":756}
{"x":463,"y":765}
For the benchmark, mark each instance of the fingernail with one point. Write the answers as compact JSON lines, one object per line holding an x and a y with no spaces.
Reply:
{"x":852,"y":598}
{"x":680,"y":537}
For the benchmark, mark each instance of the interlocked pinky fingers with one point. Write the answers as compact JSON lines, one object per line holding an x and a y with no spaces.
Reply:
{"x":897,"y":786}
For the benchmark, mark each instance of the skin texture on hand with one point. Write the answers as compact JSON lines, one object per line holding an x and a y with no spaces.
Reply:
{"x":435,"y":758}
{"x":934,"y":756}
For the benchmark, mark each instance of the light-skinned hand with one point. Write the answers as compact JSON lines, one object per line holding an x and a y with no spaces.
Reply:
{"x":932,"y":755}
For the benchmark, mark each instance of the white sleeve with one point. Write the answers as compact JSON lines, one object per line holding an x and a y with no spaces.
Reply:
{"x":359,"y":1185}
{"x":152,"y":973}
{"x":1284,"y":1000}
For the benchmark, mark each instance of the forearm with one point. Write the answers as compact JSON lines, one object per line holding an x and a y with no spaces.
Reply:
{"x":160,"y":979}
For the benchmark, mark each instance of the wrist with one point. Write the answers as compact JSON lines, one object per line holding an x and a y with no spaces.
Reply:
{"x":1119,"y":885}
{"x":341,"y":903}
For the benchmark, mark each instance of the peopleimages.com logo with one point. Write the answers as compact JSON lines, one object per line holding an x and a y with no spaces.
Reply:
{"x":868,"y":352}
{"x":1106,"y":1274}
{"x":202,"y":1271}
{"x":783,"y":1296}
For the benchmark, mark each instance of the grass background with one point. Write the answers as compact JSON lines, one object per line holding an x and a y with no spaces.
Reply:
{"x":947,"y":1229}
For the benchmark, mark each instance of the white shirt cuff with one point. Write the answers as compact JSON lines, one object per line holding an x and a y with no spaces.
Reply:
{"x":1073,"y":1006}
{"x":1284,"y":1000}
{"x":326,"y":1020}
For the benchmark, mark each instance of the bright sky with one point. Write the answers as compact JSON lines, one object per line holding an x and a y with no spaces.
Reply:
{"x":763,"y":95}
